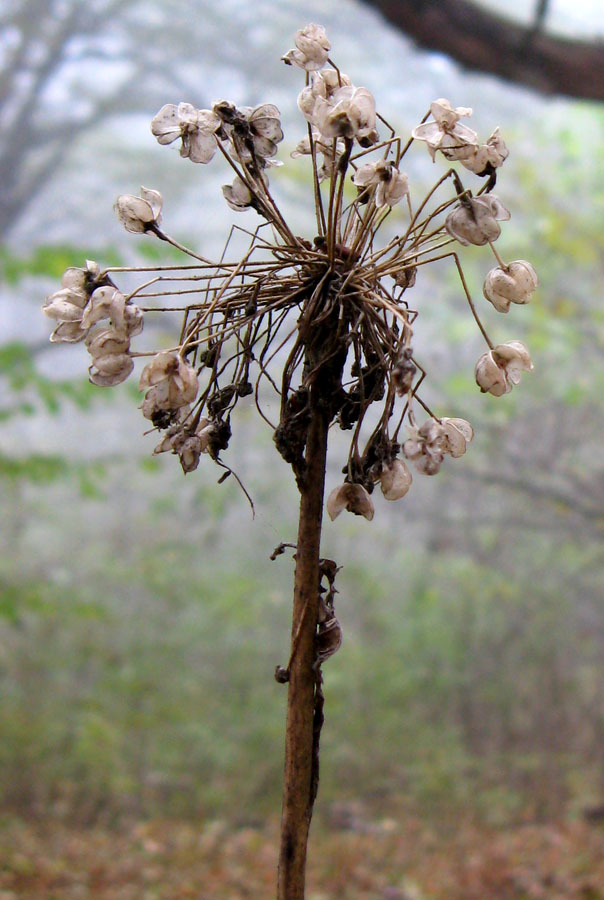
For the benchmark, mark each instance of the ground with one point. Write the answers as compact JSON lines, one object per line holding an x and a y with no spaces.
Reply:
{"x":373,"y":860}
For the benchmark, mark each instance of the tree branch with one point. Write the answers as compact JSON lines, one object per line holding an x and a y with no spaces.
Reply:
{"x":483,"y":41}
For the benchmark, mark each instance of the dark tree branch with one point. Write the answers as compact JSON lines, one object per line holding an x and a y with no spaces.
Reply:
{"x":485,"y":42}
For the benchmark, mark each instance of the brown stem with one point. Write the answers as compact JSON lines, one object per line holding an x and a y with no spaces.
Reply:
{"x":301,"y":738}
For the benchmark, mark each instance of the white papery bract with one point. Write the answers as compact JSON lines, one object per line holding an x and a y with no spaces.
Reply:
{"x":476,"y":220}
{"x":501,"y":368}
{"x":513,"y":283}
{"x":138,"y":214}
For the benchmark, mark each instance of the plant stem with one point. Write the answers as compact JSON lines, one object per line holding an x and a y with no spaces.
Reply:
{"x":301,"y":738}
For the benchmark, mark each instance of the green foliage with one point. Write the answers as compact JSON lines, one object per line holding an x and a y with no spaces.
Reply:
{"x":49,"y":260}
{"x":18,"y":367}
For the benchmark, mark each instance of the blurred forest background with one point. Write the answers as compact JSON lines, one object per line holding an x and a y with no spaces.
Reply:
{"x":140,"y":617}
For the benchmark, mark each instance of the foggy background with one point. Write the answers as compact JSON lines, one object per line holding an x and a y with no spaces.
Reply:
{"x":141,"y":618}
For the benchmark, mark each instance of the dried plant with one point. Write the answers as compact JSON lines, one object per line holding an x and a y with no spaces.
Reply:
{"x":323,"y":323}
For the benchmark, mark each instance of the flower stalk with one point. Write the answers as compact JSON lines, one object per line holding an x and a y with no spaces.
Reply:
{"x":304,"y":700}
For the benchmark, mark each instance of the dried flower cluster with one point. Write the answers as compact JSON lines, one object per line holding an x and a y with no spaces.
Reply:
{"x":294,"y":315}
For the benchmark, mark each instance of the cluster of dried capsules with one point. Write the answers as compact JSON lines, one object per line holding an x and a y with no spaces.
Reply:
{"x":276,"y":318}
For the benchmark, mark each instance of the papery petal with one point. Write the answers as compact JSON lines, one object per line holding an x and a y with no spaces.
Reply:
{"x":428,"y":131}
{"x":68,"y":333}
{"x":108,"y":371}
{"x":188,"y":114}
{"x":446,"y":115}
{"x":389,"y":193}
{"x":302,"y":148}
{"x":395,"y":480}
{"x":63,"y":310}
{"x":186,"y":383}
{"x":199,"y":147}
{"x":264,"y":147}
{"x":431,"y":431}
{"x":189,"y":452}
{"x":365,"y":174}
{"x":164,"y":445}
{"x":514,"y":357}
{"x":490,"y":377}
{"x":106,"y":342}
{"x":134,"y":213}
{"x":74,"y":296}
{"x":75,"y":279}
{"x":133,"y":319}
{"x":492,"y":206}
{"x":159,"y":368}
{"x":208,"y":121}
{"x":306,"y":103}
{"x":326,"y":82}
{"x":237,"y":195}
{"x":312,"y":48}
{"x":105,"y":303}
{"x":154,"y":199}
{"x":413,"y":448}
{"x":474,"y":222}
{"x":510,"y":284}
{"x":462,"y":426}
{"x":458,"y":433}
{"x":268,"y":127}
{"x":165,"y":125}
{"x":427,"y":464}
{"x":458,"y":144}
{"x":156,"y":399}
{"x":352,"y":497}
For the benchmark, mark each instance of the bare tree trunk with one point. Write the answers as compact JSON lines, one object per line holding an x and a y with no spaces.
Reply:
{"x":302,"y":729}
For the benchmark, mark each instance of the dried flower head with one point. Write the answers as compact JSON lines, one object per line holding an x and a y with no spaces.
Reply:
{"x":139,"y":214}
{"x":319,"y":322}
{"x":312,"y":48}
{"x":195,"y":127}
{"x":485,"y":158}
{"x":391,"y":185}
{"x":476,"y":221}
{"x":352,"y":497}
{"x":348,"y":113}
{"x":501,"y":368}
{"x":395,"y":479}
{"x":513,"y":283}
{"x":426,"y":447}
{"x":457,"y":434}
{"x":446,"y":133}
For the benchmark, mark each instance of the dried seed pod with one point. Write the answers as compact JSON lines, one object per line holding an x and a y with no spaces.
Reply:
{"x":395,"y":479}
{"x":352,"y":497}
